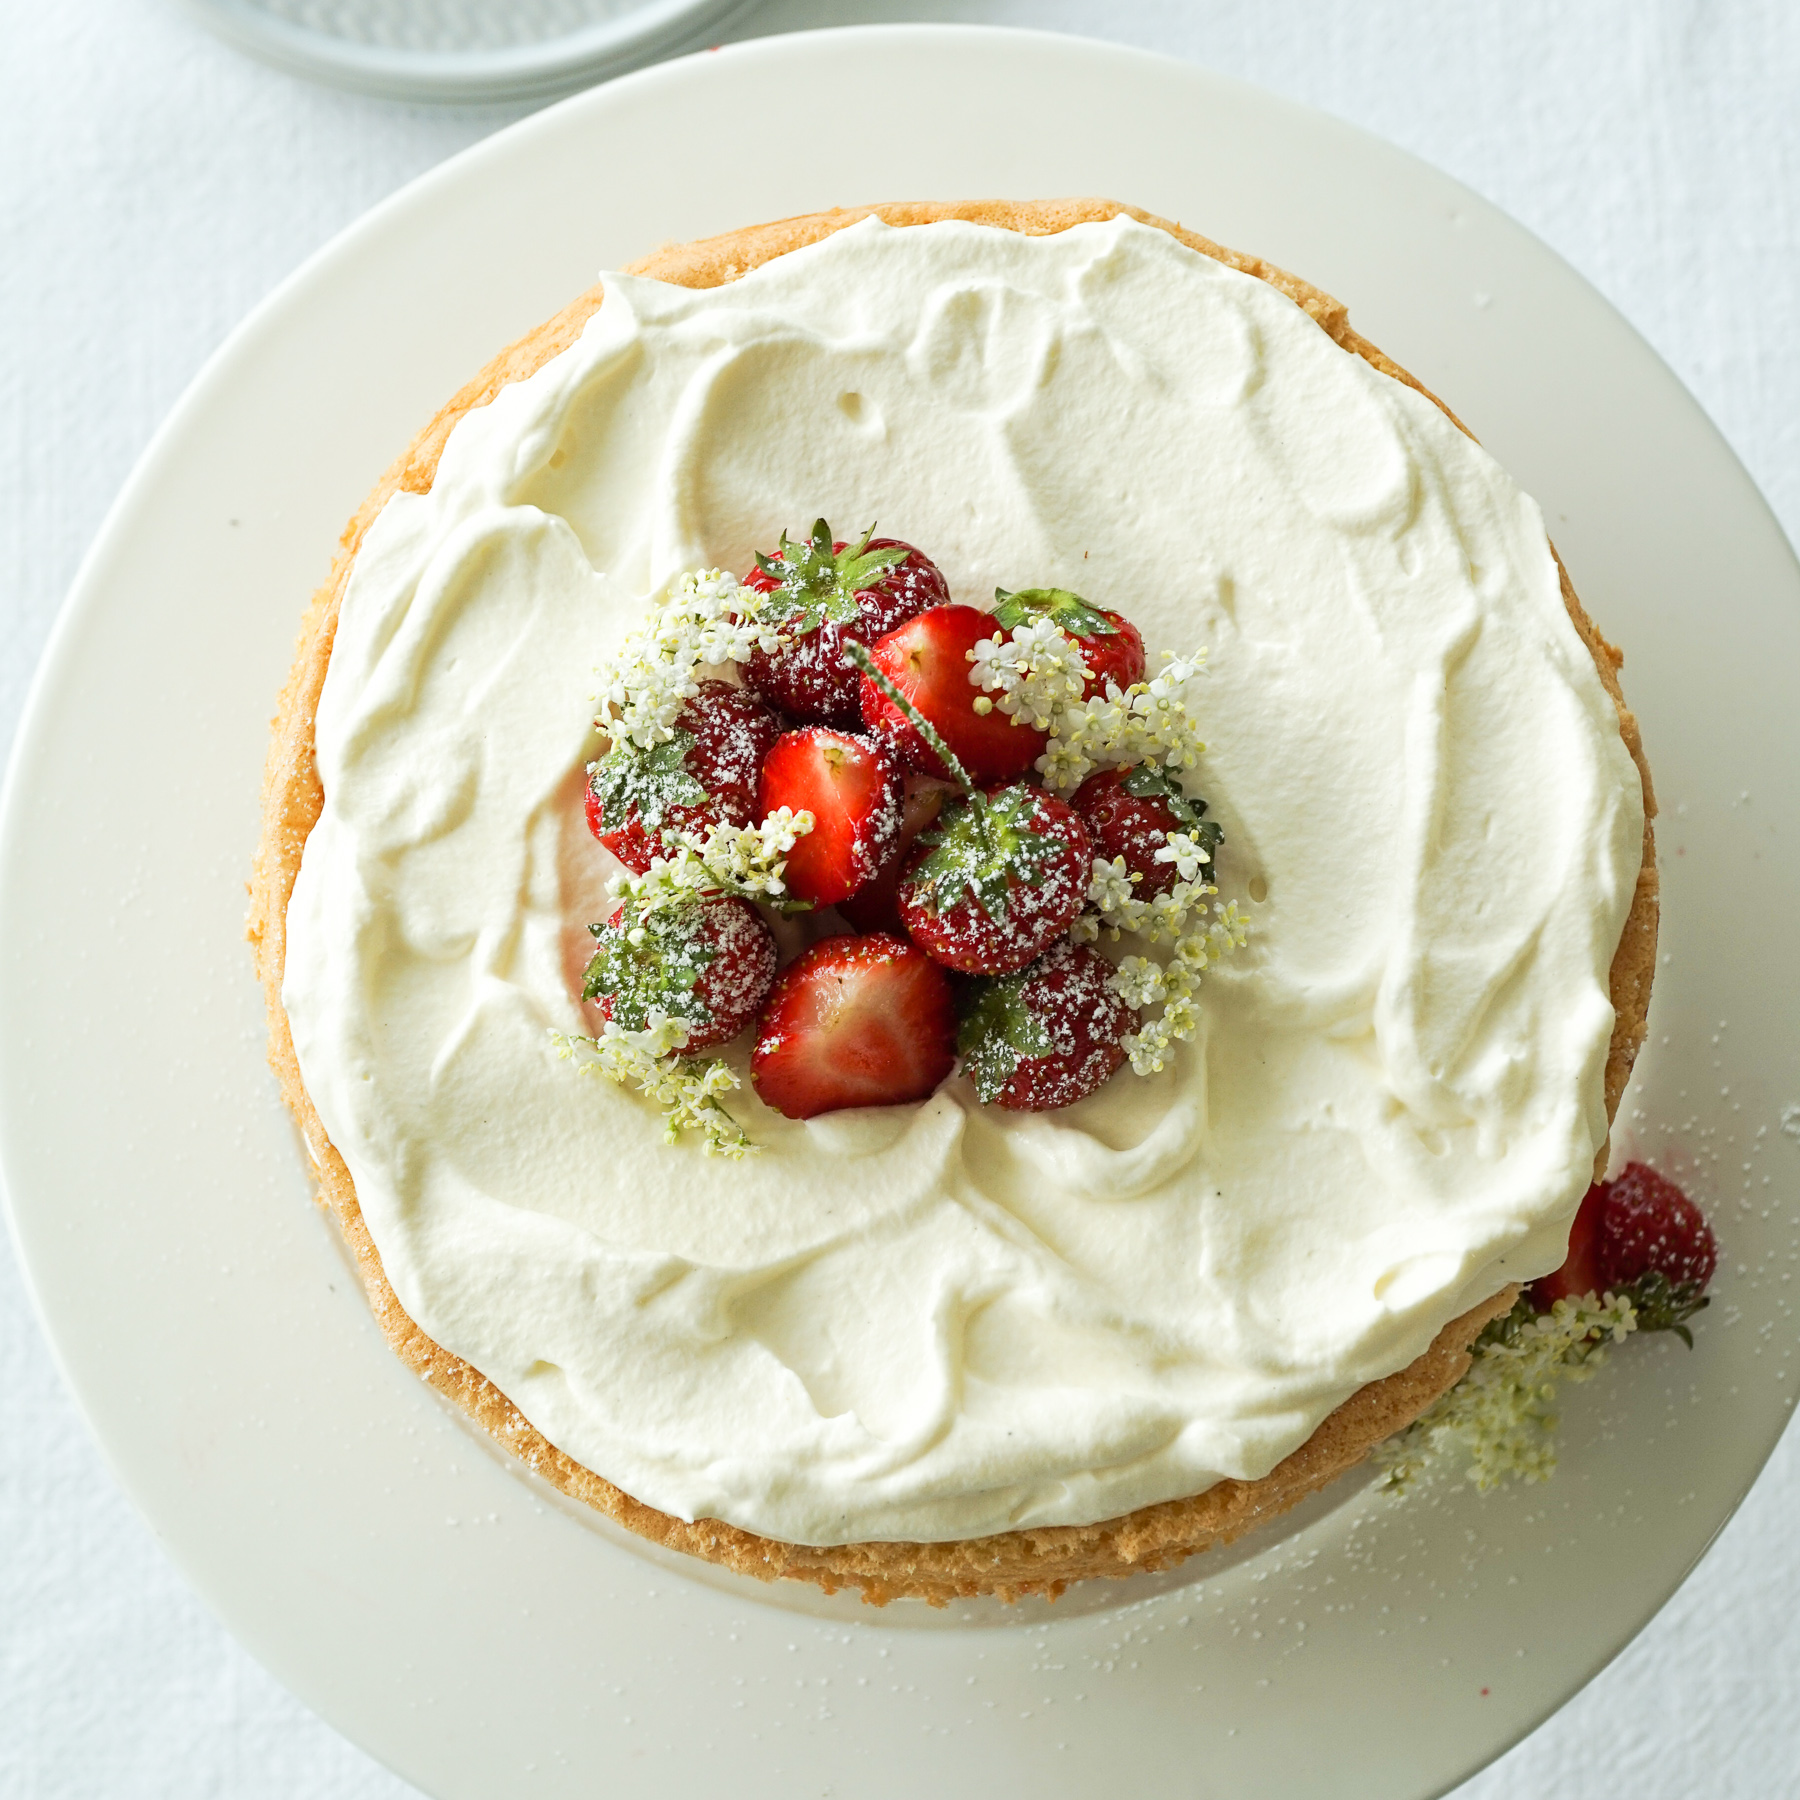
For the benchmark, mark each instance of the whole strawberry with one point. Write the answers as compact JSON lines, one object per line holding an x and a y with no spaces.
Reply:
{"x":1641,"y":1236}
{"x":704,"y":775}
{"x":854,"y":1021}
{"x":997,"y":880}
{"x":708,"y":963}
{"x":1131,"y":813}
{"x":927,"y":660}
{"x":826,"y":591}
{"x":1656,"y":1246}
{"x":1048,"y":1036}
{"x":853,"y":791}
{"x":1111,"y":646}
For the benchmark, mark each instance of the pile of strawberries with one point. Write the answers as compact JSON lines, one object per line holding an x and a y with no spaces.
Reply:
{"x":957,"y":876}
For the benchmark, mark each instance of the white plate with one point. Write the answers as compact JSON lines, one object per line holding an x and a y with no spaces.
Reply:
{"x":462,"y":1623}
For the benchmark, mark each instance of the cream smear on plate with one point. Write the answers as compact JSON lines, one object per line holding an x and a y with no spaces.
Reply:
{"x":942,"y":1320}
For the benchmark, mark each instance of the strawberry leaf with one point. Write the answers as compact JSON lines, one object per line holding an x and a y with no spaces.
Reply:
{"x":1664,"y":1305}
{"x":996,"y":1031}
{"x":982,"y":848}
{"x":652,"y":780}
{"x":1070,"y":611}
{"x":1150,"y":781}
{"x":816,"y":583}
{"x":650,"y":962}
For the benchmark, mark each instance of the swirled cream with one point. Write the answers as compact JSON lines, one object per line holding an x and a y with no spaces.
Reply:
{"x":942,"y":1320}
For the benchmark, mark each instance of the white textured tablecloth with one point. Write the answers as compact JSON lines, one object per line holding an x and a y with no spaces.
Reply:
{"x":154,"y":186}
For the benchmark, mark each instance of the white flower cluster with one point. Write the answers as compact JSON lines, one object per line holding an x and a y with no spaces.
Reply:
{"x":686,"y":1089}
{"x":707,"y":620}
{"x":1039,"y":675}
{"x":1200,"y":932}
{"x":1146,"y":722}
{"x":1037,"y":672}
{"x":748,"y":860}
{"x":1498,"y":1417}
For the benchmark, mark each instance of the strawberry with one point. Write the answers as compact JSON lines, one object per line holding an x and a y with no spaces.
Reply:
{"x":1111,"y":646}
{"x":704,"y":775}
{"x":1048,"y":1036}
{"x":1129,"y":813}
{"x":855,"y":1021}
{"x":708,"y":962}
{"x":997,"y":880}
{"x":1580,"y":1271}
{"x":927,"y":659}
{"x":1656,"y":1246}
{"x":1641,"y":1236}
{"x":853,"y":791}
{"x":875,"y":906}
{"x":828,"y":590}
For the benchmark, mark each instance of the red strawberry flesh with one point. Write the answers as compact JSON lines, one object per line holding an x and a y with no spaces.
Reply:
{"x":1580,"y":1270}
{"x":927,"y":659}
{"x":854,"y":1021}
{"x":875,"y":906}
{"x":854,"y":793}
{"x":1649,"y":1226}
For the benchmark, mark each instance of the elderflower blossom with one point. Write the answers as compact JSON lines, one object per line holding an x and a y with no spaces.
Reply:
{"x":1200,"y":934}
{"x":707,"y":620}
{"x":1109,"y":887}
{"x":1146,"y":722}
{"x":1187,"y":855}
{"x":1138,"y":981}
{"x":650,"y":1060}
{"x":1037,"y":672}
{"x":1498,"y":1417}
{"x":748,"y":860}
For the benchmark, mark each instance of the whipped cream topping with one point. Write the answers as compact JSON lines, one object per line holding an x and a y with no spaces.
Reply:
{"x":942,"y":1320}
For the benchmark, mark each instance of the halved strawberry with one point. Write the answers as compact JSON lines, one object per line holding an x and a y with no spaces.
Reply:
{"x":1130,"y":813}
{"x":1580,"y":1271}
{"x":855,"y":1021}
{"x":704,"y":775}
{"x":1111,"y":646}
{"x":998,"y":879}
{"x":927,"y":659}
{"x":875,"y":905}
{"x":853,"y":791}
{"x":708,"y":963}
{"x":827,"y":590}
{"x":1048,"y":1036}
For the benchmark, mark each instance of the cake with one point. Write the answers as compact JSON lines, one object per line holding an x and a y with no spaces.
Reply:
{"x":917,"y":1350}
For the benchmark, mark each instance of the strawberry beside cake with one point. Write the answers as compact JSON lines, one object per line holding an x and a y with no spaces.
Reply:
{"x":1062,"y":1250}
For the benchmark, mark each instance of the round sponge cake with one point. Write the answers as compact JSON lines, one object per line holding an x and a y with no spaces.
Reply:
{"x":1036,"y":1560}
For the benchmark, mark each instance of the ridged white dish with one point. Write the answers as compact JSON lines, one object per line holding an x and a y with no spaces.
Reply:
{"x":425,"y":1595}
{"x":460,"y":50}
